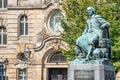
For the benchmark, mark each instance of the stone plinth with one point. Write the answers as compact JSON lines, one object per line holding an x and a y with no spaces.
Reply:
{"x":91,"y":72}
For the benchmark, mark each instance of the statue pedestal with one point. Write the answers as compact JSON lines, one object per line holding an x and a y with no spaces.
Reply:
{"x":91,"y":72}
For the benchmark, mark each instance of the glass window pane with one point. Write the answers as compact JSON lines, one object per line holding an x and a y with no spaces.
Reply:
{"x":55,"y":22}
{"x":57,"y":57}
{"x":4,"y":39}
{"x":22,"y":18}
{"x":1,"y":29}
{"x":57,"y":19}
{"x":20,"y":72}
{"x":0,"y":3}
{"x":2,"y":73}
{"x":26,"y":19}
{"x":26,"y":28}
{"x":24,"y":71}
{"x":25,"y":77}
{"x":3,"y":77}
{"x":5,"y":3}
{"x":4,"y":30}
{"x":2,"y":65}
{"x":23,"y":25}
{"x":52,"y":23}
{"x":20,"y":77}
{"x":0,"y":39}
{"x":21,"y":28}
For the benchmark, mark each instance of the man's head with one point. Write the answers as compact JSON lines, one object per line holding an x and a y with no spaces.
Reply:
{"x":91,"y":11}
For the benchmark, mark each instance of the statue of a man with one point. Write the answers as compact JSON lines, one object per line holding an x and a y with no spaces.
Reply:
{"x":93,"y":32}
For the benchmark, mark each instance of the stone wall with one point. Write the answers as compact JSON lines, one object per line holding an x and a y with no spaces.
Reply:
{"x":118,"y":76}
{"x":38,"y":12}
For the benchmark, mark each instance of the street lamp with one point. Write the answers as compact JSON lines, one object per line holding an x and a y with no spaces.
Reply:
{"x":27,"y":53}
{"x":6,"y":61}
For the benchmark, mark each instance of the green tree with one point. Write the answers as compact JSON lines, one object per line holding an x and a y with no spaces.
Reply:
{"x":75,"y":21}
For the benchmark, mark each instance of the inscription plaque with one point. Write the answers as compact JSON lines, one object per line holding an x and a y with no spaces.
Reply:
{"x":109,"y":75}
{"x":83,"y":75}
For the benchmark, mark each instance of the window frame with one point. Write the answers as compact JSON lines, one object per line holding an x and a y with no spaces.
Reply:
{"x":25,"y":25}
{"x":24,"y":74}
{"x":3,"y":34}
{"x":3,"y":4}
{"x":55,"y":15}
{"x":57,"y":57}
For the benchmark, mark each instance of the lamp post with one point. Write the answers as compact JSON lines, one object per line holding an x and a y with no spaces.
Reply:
{"x":6,"y":61}
{"x":27,"y":53}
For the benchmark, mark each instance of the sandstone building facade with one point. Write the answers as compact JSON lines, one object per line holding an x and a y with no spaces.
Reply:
{"x":34,"y":24}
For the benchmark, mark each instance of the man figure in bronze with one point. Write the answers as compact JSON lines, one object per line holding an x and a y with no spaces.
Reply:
{"x":96,"y":30}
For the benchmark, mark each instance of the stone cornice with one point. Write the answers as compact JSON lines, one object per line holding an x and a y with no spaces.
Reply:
{"x":28,"y":7}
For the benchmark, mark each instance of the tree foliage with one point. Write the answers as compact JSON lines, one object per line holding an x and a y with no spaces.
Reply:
{"x":75,"y":21}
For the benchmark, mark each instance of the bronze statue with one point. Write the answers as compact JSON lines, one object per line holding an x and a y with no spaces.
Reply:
{"x":95,"y":41}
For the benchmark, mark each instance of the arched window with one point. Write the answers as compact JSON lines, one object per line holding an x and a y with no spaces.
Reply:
{"x":3,"y":3}
{"x":24,"y":25}
{"x":57,"y":57}
{"x":55,"y":22}
{"x":3,"y":35}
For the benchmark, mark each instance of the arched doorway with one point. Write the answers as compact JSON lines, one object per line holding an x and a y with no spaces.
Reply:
{"x":57,"y":73}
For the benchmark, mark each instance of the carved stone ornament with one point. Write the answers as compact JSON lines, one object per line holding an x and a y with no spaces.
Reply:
{"x":52,"y":42}
{"x":43,"y":37}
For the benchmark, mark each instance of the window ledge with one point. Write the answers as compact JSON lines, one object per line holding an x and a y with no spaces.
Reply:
{"x":3,"y":45}
{"x":23,"y":35}
{"x":25,"y":38}
{"x":3,"y":9}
